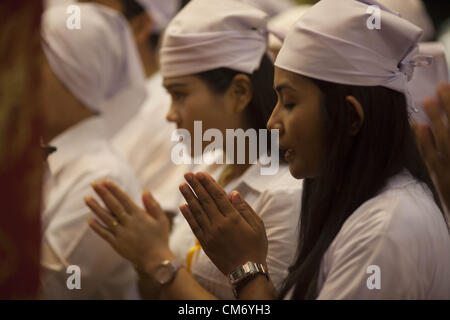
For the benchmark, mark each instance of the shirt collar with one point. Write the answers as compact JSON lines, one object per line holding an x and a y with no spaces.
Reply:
{"x":78,"y":137}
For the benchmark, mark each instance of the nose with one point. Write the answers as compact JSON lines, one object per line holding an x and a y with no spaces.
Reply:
{"x":275,"y":121}
{"x":172,"y":115}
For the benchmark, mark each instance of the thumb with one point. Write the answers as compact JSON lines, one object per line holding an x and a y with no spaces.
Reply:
{"x":151,"y":205}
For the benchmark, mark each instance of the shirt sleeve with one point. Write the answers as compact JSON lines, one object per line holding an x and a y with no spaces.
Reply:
{"x":369,"y":260}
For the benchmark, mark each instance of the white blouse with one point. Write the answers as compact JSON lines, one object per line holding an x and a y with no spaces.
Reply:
{"x":84,"y":156}
{"x":276,"y":199}
{"x":394,"y":246}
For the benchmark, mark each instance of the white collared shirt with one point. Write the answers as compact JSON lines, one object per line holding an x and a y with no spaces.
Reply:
{"x":83,"y":156}
{"x":276,"y":199}
{"x":401,"y":236}
{"x":146,"y":143}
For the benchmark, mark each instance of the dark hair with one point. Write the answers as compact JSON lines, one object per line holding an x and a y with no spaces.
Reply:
{"x":264,"y":97}
{"x":131,"y":9}
{"x":354,"y":171}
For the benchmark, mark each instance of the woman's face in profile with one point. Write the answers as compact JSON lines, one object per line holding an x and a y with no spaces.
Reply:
{"x":193,"y":100}
{"x":299,"y":118}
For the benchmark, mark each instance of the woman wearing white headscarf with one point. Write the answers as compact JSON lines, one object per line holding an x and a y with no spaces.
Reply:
{"x":215,"y":67}
{"x":378,"y":231}
{"x":371,"y":223}
{"x":89,"y":76}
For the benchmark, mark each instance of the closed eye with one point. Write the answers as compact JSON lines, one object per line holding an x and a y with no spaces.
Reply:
{"x":289,"y":106}
{"x":177,"y":96}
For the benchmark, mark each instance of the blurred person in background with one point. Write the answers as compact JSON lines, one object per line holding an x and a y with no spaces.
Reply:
{"x":88,"y":76}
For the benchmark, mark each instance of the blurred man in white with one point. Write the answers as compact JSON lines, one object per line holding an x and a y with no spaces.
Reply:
{"x":86,"y":76}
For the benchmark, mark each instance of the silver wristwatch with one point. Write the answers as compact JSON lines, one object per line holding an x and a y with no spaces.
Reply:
{"x":165,"y":272}
{"x":245,"y":272}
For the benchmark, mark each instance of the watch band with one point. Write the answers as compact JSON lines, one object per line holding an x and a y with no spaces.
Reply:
{"x":245,"y":272}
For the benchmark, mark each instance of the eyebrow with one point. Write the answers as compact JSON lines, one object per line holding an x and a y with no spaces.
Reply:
{"x":283,"y":86}
{"x":175,"y":84}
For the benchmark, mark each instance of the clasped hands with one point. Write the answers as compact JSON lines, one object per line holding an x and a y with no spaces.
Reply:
{"x":228,"y":229}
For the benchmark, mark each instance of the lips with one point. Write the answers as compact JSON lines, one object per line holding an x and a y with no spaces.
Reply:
{"x":289,"y":154}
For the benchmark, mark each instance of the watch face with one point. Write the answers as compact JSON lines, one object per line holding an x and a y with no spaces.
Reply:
{"x":163,"y":274}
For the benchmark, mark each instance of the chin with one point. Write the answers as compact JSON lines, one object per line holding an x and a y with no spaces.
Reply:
{"x":296,"y":172}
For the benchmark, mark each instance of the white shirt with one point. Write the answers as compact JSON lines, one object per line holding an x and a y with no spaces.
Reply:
{"x":402,"y":232}
{"x":146,"y":144}
{"x":83,"y":156}
{"x":276,"y":199}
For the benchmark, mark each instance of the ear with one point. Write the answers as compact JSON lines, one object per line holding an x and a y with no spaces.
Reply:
{"x":241,"y":92}
{"x":356,"y":113}
{"x":141,"y":26}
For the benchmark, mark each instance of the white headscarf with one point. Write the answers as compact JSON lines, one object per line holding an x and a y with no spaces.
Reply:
{"x":210,"y":34}
{"x":280,"y":25}
{"x":332,"y":42}
{"x":99,"y":62}
{"x":271,"y":7}
{"x":415,"y":12}
{"x":161,"y":11}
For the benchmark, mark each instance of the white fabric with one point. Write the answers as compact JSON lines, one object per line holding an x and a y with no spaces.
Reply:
{"x":209,"y":34}
{"x":83,"y":156}
{"x":52,"y":3}
{"x":98,"y":63}
{"x":427,"y":78}
{"x":280,"y":25}
{"x":332,"y":42}
{"x":414,"y":11}
{"x":271,"y":7}
{"x":276,"y":199}
{"x":161,"y":12}
{"x":146,"y":144}
{"x":401,"y":231}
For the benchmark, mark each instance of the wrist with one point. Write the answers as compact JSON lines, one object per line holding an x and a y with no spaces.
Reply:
{"x":245,"y":273}
{"x":147,"y":267}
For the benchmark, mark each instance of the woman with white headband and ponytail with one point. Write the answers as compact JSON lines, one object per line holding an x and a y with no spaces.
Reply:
{"x":92,"y":79}
{"x":371,"y":225}
{"x":215,"y":67}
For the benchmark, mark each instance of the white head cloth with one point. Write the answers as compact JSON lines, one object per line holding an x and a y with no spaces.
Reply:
{"x":280,"y":25}
{"x":161,"y":11}
{"x":210,"y":34}
{"x":271,"y":7}
{"x":332,"y":42}
{"x":99,"y":62}
{"x":414,"y":11}
{"x":427,"y":78}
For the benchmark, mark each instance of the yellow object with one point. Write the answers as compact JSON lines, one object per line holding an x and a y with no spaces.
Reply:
{"x":191,"y":253}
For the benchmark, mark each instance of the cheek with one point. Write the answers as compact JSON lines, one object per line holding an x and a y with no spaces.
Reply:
{"x":306,"y":130}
